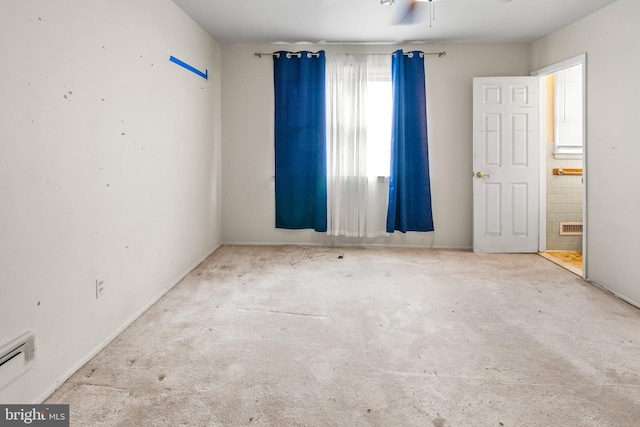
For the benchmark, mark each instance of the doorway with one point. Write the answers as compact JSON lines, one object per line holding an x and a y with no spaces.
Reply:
{"x":562,"y":163}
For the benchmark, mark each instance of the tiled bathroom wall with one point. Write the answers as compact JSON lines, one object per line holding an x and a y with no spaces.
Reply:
{"x":564,"y":202}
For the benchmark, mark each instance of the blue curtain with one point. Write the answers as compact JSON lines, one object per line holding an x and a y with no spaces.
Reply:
{"x":409,"y":186}
{"x":300,"y":140}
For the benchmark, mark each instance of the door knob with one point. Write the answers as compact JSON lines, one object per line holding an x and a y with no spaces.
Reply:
{"x":480,"y":175}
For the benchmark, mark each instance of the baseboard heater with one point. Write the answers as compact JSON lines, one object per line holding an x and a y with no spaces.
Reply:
{"x":16,"y":358}
{"x":571,"y":229}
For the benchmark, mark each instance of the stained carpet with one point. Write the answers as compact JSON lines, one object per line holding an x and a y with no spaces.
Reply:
{"x":292,"y":336}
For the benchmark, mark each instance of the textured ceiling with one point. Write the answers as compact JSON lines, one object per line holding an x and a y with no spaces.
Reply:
{"x":367,"y":21}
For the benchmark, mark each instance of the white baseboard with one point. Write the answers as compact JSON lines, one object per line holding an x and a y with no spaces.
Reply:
{"x":370,"y":245}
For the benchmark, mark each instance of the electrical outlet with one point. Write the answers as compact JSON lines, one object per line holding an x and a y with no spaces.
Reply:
{"x":99,"y":287}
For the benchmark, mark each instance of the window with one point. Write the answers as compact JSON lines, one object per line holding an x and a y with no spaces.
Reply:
{"x":359,"y":115}
{"x":568,"y":117}
{"x":379,"y":128}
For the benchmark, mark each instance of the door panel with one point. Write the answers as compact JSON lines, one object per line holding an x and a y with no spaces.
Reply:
{"x":505,"y":162}
{"x":519,"y":209}
{"x":493,"y":211}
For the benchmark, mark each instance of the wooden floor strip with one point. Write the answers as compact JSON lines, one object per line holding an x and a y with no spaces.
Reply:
{"x":570,"y":260}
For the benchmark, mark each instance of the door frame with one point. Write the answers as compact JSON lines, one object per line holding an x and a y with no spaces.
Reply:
{"x":542,"y":73}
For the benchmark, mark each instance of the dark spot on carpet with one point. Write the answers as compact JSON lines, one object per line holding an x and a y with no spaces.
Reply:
{"x":439,"y":422}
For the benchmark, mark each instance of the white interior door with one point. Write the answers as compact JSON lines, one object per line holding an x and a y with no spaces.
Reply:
{"x":505,"y":164}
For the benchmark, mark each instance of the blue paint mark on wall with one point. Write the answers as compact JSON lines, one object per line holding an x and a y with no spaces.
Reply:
{"x":204,"y":75}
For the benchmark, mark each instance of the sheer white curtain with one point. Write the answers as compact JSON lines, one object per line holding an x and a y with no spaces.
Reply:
{"x":359,"y":103}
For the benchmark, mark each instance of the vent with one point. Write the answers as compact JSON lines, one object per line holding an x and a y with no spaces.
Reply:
{"x":16,"y":358}
{"x":571,"y":229}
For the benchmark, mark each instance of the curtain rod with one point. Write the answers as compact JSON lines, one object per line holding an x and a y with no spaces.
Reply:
{"x":259,"y":54}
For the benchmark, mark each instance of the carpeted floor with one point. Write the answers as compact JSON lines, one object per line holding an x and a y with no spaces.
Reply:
{"x":292,"y":336}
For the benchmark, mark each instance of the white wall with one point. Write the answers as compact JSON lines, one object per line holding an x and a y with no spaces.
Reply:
{"x":248,"y":208}
{"x":109,"y":167}
{"x":609,"y":37}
